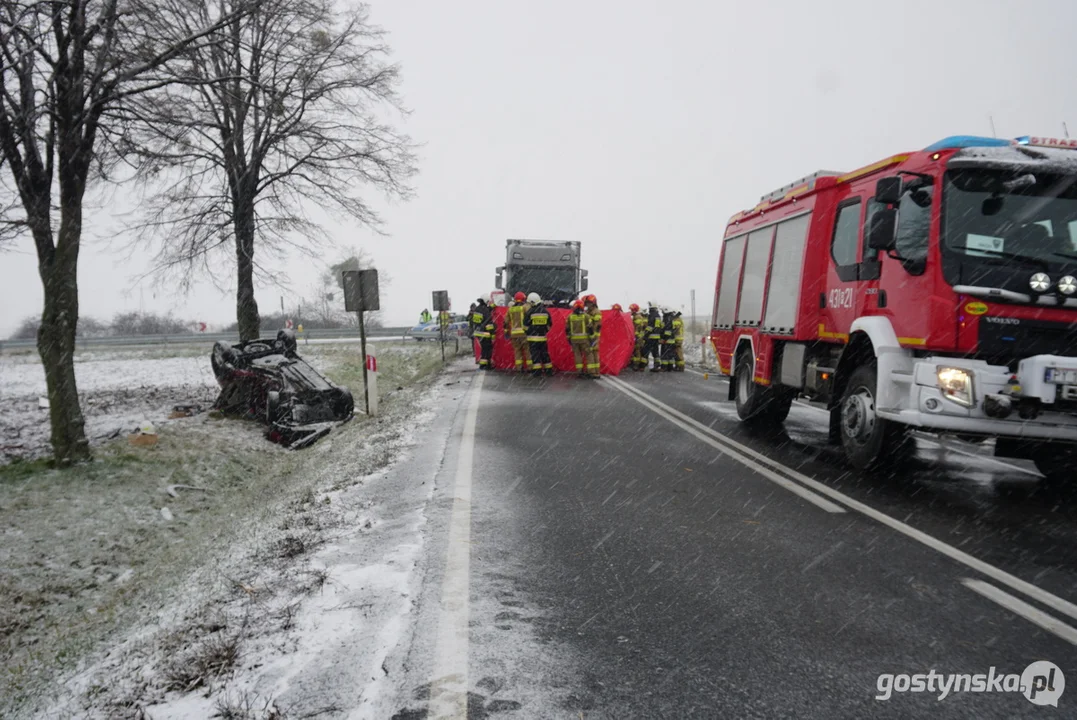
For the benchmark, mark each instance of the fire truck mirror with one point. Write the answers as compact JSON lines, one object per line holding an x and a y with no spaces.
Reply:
{"x":888,"y":190}
{"x":498,"y":282}
{"x":583,"y":280}
{"x":883,"y":229}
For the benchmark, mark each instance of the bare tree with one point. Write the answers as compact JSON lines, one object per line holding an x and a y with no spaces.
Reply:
{"x":300,"y":123}
{"x":333,"y":283}
{"x":65,"y":65}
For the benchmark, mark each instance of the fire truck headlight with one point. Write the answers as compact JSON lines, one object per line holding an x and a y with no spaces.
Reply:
{"x":1067,"y":285}
{"x":956,"y":385}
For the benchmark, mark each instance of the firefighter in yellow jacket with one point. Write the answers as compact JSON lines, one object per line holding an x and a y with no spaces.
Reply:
{"x":639,"y":325}
{"x":516,"y":332}
{"x":578,"y":330}
{"x":590,"y":306}
{"x":537,"y":321}
{"x":678,"y":341}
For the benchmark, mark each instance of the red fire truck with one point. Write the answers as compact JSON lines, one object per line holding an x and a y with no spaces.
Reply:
{"x":933,"y":290}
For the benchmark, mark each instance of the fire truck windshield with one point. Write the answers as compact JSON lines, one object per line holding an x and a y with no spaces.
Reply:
{"x":1011,"y":217}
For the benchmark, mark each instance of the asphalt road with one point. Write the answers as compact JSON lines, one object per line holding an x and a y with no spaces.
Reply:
{"x":624,"y":548}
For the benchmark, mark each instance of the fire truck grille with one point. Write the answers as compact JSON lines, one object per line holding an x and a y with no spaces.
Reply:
{"x":1004,"y":341}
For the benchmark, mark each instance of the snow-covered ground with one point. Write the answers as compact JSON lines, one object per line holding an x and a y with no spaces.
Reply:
{"x":113,"y":564}
{"x":313,"y":632}
{"x":122,"y":388}
{"x":119,"y":391}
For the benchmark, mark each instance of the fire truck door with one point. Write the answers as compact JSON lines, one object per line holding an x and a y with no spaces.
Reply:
{"x":841,"y":298}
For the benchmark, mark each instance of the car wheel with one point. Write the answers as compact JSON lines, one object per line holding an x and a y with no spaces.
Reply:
{"x":870,"y":442}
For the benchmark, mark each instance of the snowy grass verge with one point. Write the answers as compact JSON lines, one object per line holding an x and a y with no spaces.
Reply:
{"x":91,"y":552}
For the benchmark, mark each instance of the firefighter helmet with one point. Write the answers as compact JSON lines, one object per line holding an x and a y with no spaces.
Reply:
{"x":519,"y":297}
{"x":591,"y":299}
{"x":616,"y":307}
{"x":578,"y":304}
{"x":634,"y":307}
{"x":534,"y":298}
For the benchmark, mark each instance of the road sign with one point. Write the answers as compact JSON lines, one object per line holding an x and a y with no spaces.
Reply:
{"x":288,"y":323}
{"x":441,"y":301}
{"x":361,"y":290}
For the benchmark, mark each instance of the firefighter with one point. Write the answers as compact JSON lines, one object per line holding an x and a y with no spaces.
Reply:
{"x":667,"y":339}
{"x":590,"y":305}
{"x":678,"y":342}
{"x":481,"y":322}
{"x":516,"y":333}
{"x":652,"y":349}
{"x":425,"y":317}
{"x":578,"y":330}
{"x":639,"y":325}
{"x":537,"y":323}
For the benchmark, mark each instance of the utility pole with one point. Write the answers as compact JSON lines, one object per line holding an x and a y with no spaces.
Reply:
{"x":693,"y":316}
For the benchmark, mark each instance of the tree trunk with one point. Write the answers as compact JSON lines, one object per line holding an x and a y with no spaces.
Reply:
{"x":56,"y":345}
{"x":246,"y":306}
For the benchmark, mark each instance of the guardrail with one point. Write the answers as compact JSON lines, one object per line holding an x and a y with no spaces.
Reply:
{"x":209,"y":338}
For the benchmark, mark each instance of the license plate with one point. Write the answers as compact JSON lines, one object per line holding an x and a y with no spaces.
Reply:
{"x":1061,"y":376}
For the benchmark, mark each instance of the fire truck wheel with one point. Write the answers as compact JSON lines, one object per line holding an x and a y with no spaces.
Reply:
{"x":870,"y":442}
{"x":757,"y":404}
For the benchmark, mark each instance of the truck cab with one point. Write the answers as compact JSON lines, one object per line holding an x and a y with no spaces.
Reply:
{"x":933,"y":290}
{"x":549,"y":268}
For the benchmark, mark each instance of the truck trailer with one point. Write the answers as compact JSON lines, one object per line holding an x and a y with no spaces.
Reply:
{"x":934,"y":290}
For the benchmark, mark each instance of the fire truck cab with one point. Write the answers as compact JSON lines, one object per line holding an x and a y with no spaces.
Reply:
{"x":933,"y":290}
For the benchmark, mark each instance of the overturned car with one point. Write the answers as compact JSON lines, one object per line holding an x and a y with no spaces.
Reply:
{"x":267,"y":380}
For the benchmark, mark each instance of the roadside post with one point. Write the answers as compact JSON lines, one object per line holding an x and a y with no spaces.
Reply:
{"x":360,"y":296}
{"x":371,"y":372}
{"x":441,"y":307}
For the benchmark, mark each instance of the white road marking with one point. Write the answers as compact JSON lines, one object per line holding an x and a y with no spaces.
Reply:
{"x":1001,"y":576}
{"x":724,"y":448}
{"x":1022,"y":608}
{"x":449,"y":683}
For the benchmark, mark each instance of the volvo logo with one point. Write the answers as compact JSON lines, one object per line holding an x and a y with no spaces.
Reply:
{"x":1003,"y":321}
{"x":1040,"y":282}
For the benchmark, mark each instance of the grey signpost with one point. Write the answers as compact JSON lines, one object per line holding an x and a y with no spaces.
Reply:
{"x":441,"y":305}
{"x":360,"y":296}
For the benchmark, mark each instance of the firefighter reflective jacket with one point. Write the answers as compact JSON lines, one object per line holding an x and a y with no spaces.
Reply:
{"x":654,"y":326}
{"x":639,"y":322}
{"x":482,"y":321}
{"x":537,"y":322}
{"x":596,"y":321}
{"x":514,"y":320}
{"x":678,"y":331}
{"x":667,"y":328}
{"x":578,"y":326}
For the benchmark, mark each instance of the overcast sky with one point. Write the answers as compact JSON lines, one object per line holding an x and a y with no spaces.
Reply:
{"x":637,"y":128}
